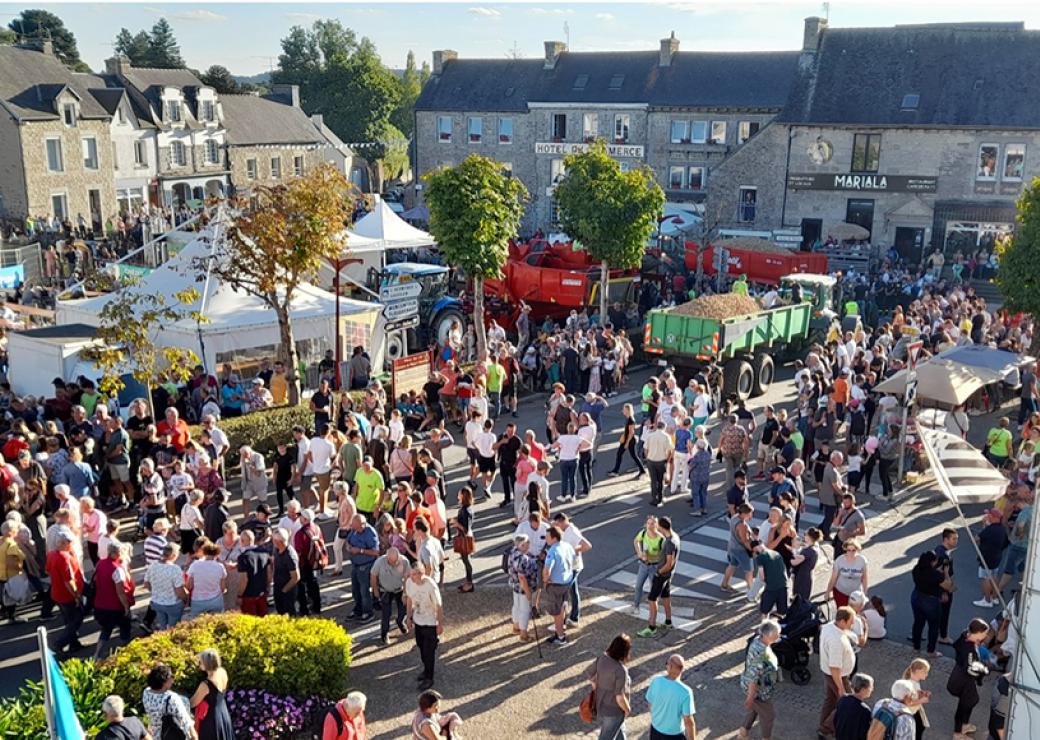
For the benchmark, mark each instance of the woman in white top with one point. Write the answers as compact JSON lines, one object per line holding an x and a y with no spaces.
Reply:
{"x":165,"y":580}
{"x":207,"y":582}
{"x":230,"y":549}
{"x":401,"y":465}
{"x":569,"y":446}
{"x":191,"y":522}
{"x":587,"y":433}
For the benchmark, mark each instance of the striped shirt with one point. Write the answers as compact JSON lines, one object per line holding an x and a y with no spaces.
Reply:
{"x":153,"y":548}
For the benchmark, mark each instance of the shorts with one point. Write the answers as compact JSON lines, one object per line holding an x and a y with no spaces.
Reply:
{"x":1014,"y":560}
{"x":119,"y":473}
{"x":660,"y":587}
{"x":509,"y":390}
{"x":449,"y":401}
{"x":766,"y":452}
{"x":555,"y":596}
{"x":988,"y":572}
{"x":740,"y":560}
{"x":464,"y":405}
{"x":473,"y":456}
{"x":486,"y":464}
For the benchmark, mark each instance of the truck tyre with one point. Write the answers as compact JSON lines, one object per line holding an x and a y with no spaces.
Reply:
{"x":396,"y":347}
{"x":442,"y":322}
{"x":764,"y":370}
{"x":738,"y":378}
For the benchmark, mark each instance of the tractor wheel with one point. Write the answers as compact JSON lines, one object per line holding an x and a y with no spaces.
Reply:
{"x":738,"y":378}
{"x":764,"y":373}
{"x":441,"y":326}
{"x":396,"y":346}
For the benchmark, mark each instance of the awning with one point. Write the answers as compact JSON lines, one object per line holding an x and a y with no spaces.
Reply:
{"x":987,"y":358}
{"x":963,"y":474}
{"x":941,"y":381}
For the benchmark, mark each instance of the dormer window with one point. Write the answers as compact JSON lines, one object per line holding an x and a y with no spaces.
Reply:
{"x":209,"y":111}
{"x":173,"y":111}
{"x":68,"y":112}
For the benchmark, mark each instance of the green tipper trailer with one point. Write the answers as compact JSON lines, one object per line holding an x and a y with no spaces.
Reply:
{"x":744,"y":346}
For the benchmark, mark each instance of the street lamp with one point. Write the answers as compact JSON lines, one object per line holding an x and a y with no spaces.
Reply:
{"x":338,"y":264}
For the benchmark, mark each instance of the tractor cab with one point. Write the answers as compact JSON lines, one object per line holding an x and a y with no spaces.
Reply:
{"x":820,"y":291}
{"x":439,"y":312}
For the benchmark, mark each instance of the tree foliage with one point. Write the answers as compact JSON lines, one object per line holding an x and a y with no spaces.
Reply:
{"x":7,"y":36}
{"x":612,"y":213}
{"x":35,"y":24}
{"x":281,"y":242}
{"x":1018,"y":275}
{"x":134,"y":46}
{"x":128,"y":334}
{"x":475,"y":209}
{"x":155,"y":48}
{"x":411,"y":83}
{"x":220,"y":79}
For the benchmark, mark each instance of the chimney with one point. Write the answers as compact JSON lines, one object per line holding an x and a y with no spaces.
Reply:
{"x":289,"y":94}
{"x":318,"y":120}
{"x":814,"y":28}
{"x":669,"y":48}
{"x":118,"y":65}
{"x":553,"y":49}
{"x":44,"y":46}
{"x":442,"y":57}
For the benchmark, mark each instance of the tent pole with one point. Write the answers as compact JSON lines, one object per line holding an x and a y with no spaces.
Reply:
{"x":218,"y":234}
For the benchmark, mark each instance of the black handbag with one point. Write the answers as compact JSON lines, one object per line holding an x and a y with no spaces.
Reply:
{"x":170,"y":730}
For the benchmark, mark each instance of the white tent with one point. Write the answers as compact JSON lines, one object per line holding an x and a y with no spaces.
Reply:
{"x":963,"y":474}
{"x":236,"y":320}
{"x":392,"y":230}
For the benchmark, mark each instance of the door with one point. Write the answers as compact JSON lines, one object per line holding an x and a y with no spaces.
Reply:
{"x":812,"y":228}
{"x":860,"y":211}
{"x":94,"y":201}
{"x":910,"y":243}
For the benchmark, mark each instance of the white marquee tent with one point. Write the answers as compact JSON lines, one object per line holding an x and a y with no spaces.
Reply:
{"x":389,"y":228}
{"x":237,"y":321}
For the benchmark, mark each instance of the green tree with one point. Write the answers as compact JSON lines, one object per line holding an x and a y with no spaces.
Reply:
{"x":128,"y":336}
{"x":411,"y":83}
{"x":1018,"y":274}
{"x":8,"y":37}
{"x":300,"y":59}
{"x":335,"y":42}
{"x":42,"y":25}
{"x":163,"y":50}
{"x":134,"y":47}
{"x":475,"y":209}
{"x":220,"y":79}
{"x":281,"y":242}
{"x":612,"y":213}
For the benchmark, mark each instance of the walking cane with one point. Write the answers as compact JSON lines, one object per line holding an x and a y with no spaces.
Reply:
{"x":534,"y":624}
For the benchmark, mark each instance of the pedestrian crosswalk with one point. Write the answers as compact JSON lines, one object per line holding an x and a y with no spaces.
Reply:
{"x":702,"y":562}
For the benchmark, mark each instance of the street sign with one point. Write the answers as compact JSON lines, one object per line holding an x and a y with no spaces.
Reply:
{"x":400,"y":291}
{"x":410,"y":373}
{"x":408,"y":323}
{"x":913,"y":353}
{"x":911,"y":389}
{"x":401,"y":309}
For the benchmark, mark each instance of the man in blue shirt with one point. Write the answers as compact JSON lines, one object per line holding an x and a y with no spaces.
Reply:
{"x":233,"y":397}
{"x":683,"y":450}
{"x":671,"y":704}
{"x":780,"y":485}
{"x":363,"y":548}
{"x":557,"y":574}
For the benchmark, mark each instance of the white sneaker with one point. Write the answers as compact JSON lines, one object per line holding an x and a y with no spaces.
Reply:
{"x":323,"y":516}
{"x":984,"y":603}
{"x":635,"y":611}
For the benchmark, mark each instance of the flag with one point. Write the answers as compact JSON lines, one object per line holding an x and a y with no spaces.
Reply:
{"x":62,"y":722}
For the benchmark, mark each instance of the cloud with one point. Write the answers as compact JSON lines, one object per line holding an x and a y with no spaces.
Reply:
{"x":302,"y":16}
{"x":486,"y":12}
{"x":198,"y":16}
{"x":605,"y":17}
{"x":551,"y":11}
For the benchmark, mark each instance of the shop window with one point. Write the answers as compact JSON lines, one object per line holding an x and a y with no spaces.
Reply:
{"x":866,"y":152}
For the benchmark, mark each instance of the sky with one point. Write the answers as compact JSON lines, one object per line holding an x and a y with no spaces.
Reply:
{"x":244,"y":37}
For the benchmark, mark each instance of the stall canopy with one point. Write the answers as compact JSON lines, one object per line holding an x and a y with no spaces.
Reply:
{"x":977,"y":356}
{"x":963,"y":474}
{"x":394,"y":232}
{"x":236,"y":320}
{"x":941,"y":381}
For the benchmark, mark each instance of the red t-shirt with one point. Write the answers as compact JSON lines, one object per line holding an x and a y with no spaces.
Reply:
{"x":179,"y":434}
{"x":353,"y":729}
{"x":12,"y":447}
{"x":537,"y":451}
{"x":63,"y":567}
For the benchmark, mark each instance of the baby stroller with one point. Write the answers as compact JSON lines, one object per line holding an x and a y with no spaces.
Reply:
{"x":799,"y":638}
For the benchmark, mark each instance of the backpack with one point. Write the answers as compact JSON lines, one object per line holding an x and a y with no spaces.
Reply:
{"x":318,"y":557}
{"x":882,"y":724}
{"x":333,"y":710}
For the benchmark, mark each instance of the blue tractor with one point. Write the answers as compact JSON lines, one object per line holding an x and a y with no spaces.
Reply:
{"x":439,"y":312}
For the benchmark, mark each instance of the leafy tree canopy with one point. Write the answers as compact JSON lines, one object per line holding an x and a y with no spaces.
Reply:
{"x":133,"y":46}
{"x":156,"y":48}
{"x":35,"y":24}
{"x":1018,"y":276}
{"x":220,"y":79}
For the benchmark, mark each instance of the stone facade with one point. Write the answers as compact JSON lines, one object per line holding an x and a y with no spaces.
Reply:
{"x":13,"y":197}
{"x":239,"y":157}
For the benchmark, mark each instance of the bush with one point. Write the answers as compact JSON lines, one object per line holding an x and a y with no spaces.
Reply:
{"x":22,"y":717}
{"x":280,"y":655}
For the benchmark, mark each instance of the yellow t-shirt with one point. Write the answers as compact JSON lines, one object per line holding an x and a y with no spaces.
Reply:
{"x":11,"y":559}
{"x":368,"y":487}
{"x":279,"y":388}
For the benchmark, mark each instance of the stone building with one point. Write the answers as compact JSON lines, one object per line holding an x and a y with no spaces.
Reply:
{"x":55,"y":141}
{"x":681,"y":113}
{"x":924,"y":135}
{"x":134,"y":146}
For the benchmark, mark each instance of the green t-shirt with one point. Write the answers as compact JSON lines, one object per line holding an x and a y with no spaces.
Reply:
{"x":368,"y":487}
{"x":773,"y":566}
{"x":739,"y":288}
{"x":496,"y":374}
{"x":999,"y":441}
{"x":648,"y":393}
{"x":798,"y":439}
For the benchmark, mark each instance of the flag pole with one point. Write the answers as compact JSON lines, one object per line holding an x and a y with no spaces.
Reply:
{"x":48,"y":698}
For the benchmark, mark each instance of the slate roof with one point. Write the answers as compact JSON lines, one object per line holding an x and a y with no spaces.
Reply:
{"x":252,"y":120}
{"x":758,"y":80}
{"x":30,"y":80}
{"x":967,"y":75}
{"x":146,"y":84}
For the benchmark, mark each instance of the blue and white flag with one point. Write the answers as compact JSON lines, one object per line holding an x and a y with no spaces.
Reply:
{"x":62,"y":722}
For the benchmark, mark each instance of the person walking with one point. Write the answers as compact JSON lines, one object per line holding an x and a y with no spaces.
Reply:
{"x":734,"y":443}
{"x":888,"y":452}
{"x":848,"y":574}
{"x":386,"y":580}
{"x":945,"y":565}
{"x":672,"y":708}
{"x":738,"y":548}
{"x":759,"y":679}
{"x":658,"y":451}
{"x":557,"y":575}
{"x":627,"y":443}
{"x":966,"y":677}
{"x":852,"y":715}
{"x":661,"y":584}
{"x":647,"y":544}
{"x":926,"y":600}
{"x":837,"y":659}
{"x":613,"y":686}
{"x":285,"y":572}
{"x":700,"y":474}
{"x":425,"y":618}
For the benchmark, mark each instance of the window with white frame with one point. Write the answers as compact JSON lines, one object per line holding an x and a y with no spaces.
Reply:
{"x":680,"y":132}
{"x":173,"y":111}
{"x":212,"y":151}
{"x":747,"y":205}
{"x":695,"y":180}
{"x":55,"y":160}
{"x":251,"y":168}
{"x":297,"y":166}
{"x":621,"y":125}
{"x":276,"y":167}
{"x":60,"y":205}
{"x":589,"y":126}
{"x":718,"y":132}
{"x":987,"y":166}
{"x":444,"y":129}
{"x":209,"y":111}
{"x":676,"y":177}
{"x":115,"y":156}
{"x":559,"y":126}
{"x":140,"y":153}
{"x":475,"y":129}
{"x":121,"y":114}
{"x":699,"y":132}
{"x":1014,"y":162}
{"x":178,"y":154}
{"x":747,"y":129}
{"x":90,"y":154}
{"x":505,"y":130}
{"x":556,"y":170}
{"x":68,"y":112}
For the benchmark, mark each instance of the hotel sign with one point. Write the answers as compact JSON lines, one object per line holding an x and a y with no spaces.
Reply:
{"x":563,"y":148}
{"x":863,"y":183}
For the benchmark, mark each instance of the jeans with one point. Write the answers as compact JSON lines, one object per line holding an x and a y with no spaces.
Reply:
{"x":521,"y":611}
{"x":167,"y":615}
{"x":360,"y":589}
{"x":575,"y":598}
{"x":285,"y":601}
{"x":927,"y":610}
{"x":207,"y":606}
{"x":72,"y":616}
{"x":612,"y":728}
{"x":308,"y":592}
{"x":494,"y":399}
{"x":426,"y":640}
{"x":568,"y":469}
{"x":387,"y":599}
{"x":699,"y":495}
{"x":585,"y":469}
{"x":645,"y":573}
{"x":631,"y":449}
{"x":657,"y":471}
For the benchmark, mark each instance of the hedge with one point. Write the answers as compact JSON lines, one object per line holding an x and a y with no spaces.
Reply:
{"x":22,"y":717}
{"x":291,"y":657}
